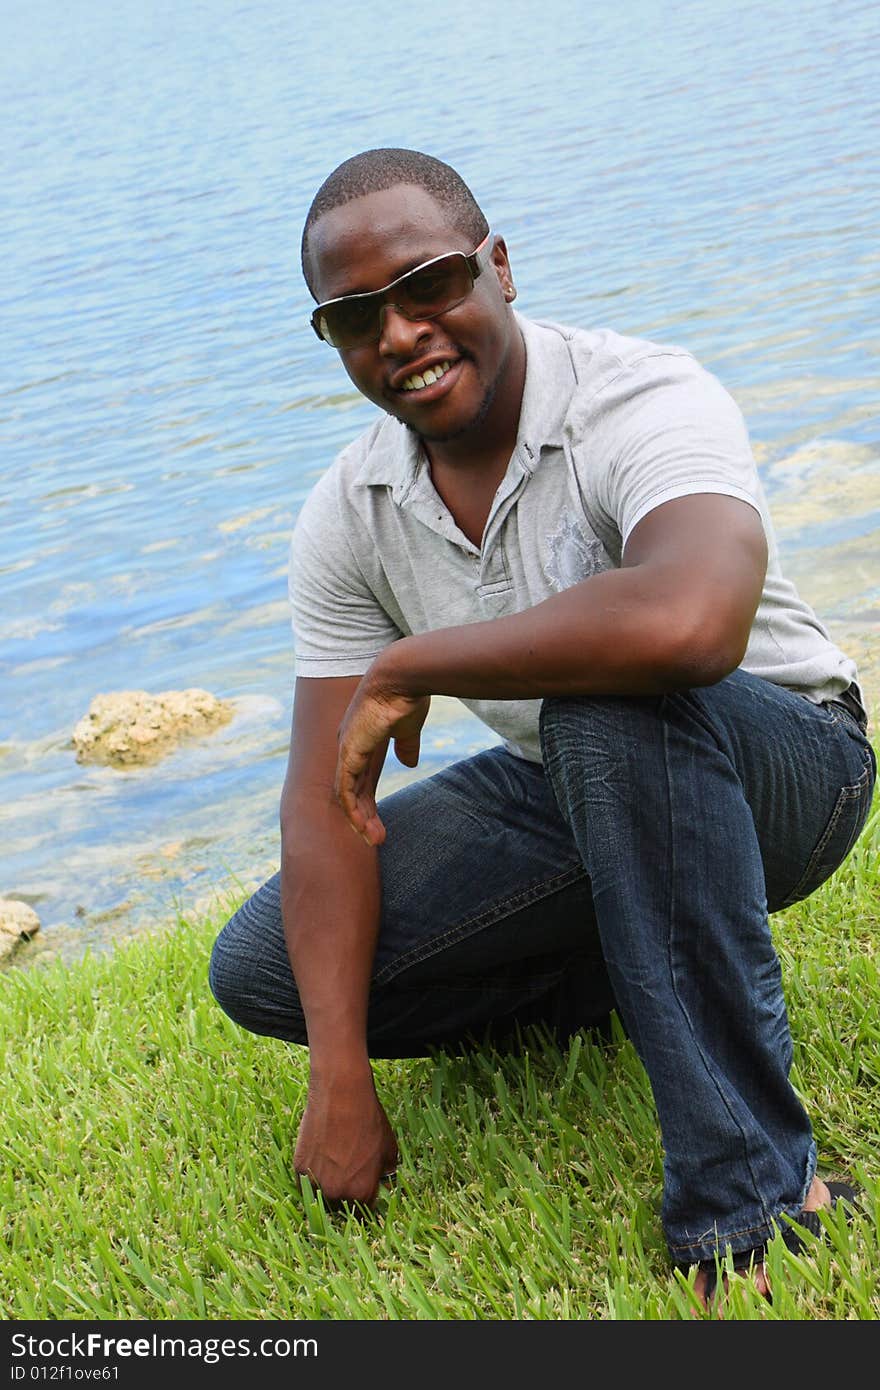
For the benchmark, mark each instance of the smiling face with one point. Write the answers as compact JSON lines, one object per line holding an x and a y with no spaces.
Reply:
{"x":474,"y":352}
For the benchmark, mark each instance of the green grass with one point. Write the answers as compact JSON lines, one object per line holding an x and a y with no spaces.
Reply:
{"x":146,"y":1148}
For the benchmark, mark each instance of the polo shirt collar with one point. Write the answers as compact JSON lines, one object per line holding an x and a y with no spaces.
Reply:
{"x":395,"y":457}
{"x":550,"y":381}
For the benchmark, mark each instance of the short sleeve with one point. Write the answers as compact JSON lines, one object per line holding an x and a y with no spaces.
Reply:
{"x":666,"y":428}
{"x":339,"y":626}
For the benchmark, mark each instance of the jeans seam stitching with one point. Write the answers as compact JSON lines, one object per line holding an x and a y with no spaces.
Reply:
{"x":722,"y":1239}
{"x":672,"y":918}
{"x":524,"y":898}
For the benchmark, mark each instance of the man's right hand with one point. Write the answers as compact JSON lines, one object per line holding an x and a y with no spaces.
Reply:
{"x":330,"y":902}
{"x":345,"y":1145}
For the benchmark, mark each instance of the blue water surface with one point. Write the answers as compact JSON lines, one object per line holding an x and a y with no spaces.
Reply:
{"x":705,"y":174}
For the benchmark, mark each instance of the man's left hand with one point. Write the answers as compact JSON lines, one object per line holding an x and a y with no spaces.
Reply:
{"x":377,"y":715}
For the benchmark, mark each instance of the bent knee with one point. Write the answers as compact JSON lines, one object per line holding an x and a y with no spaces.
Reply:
{"x":230,"y":976}
{"x":223,"y":974}
{"x":249,"y":971}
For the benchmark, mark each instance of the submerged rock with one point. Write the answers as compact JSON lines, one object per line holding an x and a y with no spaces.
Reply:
{"x":18,"y":922}
{"x":131,"y":727}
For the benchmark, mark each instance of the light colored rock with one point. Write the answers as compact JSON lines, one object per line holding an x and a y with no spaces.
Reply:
{"x":130,"y":727}
{"x":18,"y":922}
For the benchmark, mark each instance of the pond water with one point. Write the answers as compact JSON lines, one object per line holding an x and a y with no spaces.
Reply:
{"x":703,"y":174}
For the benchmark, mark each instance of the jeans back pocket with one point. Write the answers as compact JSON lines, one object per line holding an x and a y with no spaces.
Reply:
{"x":845,"y":825}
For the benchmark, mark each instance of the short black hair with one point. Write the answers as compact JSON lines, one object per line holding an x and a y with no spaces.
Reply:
{"x":375,"y":170}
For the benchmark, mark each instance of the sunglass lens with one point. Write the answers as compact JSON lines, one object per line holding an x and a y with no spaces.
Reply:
{"x":423,"y":294}
{"x":350,"y":322}
{"x":433,"y":288}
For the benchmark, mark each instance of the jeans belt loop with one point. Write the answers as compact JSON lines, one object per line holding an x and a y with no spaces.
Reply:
{"x":849,"y":700}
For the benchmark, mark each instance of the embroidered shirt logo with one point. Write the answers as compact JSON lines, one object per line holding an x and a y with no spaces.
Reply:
{"x":572,"y":557}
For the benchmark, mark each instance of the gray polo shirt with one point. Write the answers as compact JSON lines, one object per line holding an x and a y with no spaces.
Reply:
{"x":610,"y":428}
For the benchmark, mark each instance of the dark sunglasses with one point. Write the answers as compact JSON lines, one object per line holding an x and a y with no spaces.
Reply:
{"x":423,"y":293}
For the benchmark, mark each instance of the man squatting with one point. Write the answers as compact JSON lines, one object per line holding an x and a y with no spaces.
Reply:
{"x":564,"y":529}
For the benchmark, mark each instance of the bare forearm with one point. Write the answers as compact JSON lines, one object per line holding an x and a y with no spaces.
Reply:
{"x":608,"y":635}
{"x":330,"y":908}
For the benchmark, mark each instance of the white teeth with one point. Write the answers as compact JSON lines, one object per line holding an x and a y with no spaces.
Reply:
{"x":417,"y":381}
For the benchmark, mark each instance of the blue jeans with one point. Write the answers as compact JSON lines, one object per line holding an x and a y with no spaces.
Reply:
{"x":634,"y":871}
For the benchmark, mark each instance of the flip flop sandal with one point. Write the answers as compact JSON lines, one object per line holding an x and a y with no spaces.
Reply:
{"x":742,"y":1261}
{"x":841,"y":1194}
